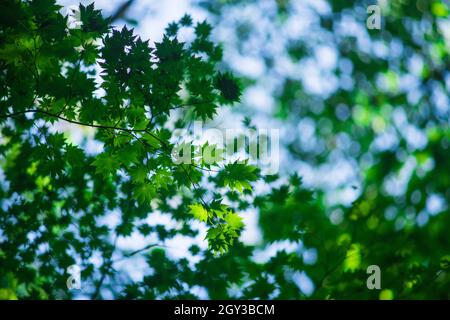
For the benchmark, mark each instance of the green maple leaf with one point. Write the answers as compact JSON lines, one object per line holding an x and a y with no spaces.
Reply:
{"x":234,"y":220}
{"x":221,"y":237}
{"x":92,"y":20}
{"x":162,"y":178}
{"x":138,"y":174}
{"x":238,"y":176}
{"x":128,"y":154}
{"x":74,"y":155}
{"x":145,"y":193}
{"x":203,"y":29}
{"x":209,"y":155}
{"x":229,"y":87}
{"x":169,"y":49}
{"x":205,"y":110}
{"x":172,"y":29}
{"x":186,"y":20}
{"x":105,"y":164}
{"x":199,"y":212}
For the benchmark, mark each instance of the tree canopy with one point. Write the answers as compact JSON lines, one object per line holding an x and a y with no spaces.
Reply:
{"x":130,"y":96}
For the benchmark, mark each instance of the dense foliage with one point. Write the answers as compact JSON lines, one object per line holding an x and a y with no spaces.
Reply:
{"x":57,"y":197}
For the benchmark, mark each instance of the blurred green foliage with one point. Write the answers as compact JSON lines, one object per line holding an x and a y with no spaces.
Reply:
{"x":385,"y":113}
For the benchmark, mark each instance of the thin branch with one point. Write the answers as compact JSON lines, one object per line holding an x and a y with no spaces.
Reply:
{"x":121,"y":11}
{"x":12,"y":115}
{"x":132,"y":131}
{"x":133,"y":253}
